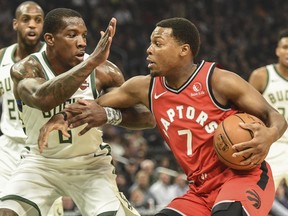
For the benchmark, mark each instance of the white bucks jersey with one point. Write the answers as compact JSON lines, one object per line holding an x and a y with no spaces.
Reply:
{"x":11,"y":124}
{"x":276,"y":93}
{"x":58,"y":145}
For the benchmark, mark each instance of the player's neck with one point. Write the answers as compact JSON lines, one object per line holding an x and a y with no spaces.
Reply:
{"x":179,"y":77}
{"x":23,"y":51}
{"x":282,"y":70}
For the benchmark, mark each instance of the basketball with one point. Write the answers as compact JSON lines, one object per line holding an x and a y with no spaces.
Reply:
{"x":229,"y":133}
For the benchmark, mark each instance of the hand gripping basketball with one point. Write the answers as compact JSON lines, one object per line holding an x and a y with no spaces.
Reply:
{"x":229,"y":133}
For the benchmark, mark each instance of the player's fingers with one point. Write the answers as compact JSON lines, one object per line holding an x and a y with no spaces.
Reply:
{"x":113,"y":23}
{"x":251,"y":161}
{"x":42,"y":139}
{"x":76,"y":124}
{"x":102,"y":33}
{"x":246,"y":162}
{"x":251,"y":126}
{"x":246,"y":153}
{"x":75,"y":108}
{"x":242,"y":146}
{"x":247,"y":126}
{"x":77,"y":120}
{"x":82,"y":132}
{"x":64,"y":131}
{"x":84,"y":102}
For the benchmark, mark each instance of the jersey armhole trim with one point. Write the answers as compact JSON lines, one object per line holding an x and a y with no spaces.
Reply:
{"x":2,"y":55}
{"x":210,"y":91}
{"x":22,"y":199}
{"x":152,"y":81}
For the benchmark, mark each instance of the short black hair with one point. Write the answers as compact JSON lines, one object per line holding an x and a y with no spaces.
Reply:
{"x":184,"y":31}
{"x":54,"y":22}
{"x":282,"y":34}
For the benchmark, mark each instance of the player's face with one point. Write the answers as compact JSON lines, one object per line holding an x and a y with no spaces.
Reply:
{"x":70,"y":43}
{"x":163,"y":52}
{"x":29,"y":25}
{"x":282,"y":51}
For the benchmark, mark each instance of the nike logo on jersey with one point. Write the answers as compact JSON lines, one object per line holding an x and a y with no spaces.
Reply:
{"x":159,"y":95}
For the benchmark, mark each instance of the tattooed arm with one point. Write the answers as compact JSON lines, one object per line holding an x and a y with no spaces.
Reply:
{"x":31,"y":86}
{"x":33,"y":89}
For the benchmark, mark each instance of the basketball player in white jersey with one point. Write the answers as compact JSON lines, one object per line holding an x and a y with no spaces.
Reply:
{"x":28,"y":24}
{"x":78,"y":166}
{"x":272,"y":82}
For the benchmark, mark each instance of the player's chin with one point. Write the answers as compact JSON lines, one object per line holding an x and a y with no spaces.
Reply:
{"x":32,"y":42}
{"x":79,"y":59}
{"x":154,"y":73}
{"x":76,"y":61}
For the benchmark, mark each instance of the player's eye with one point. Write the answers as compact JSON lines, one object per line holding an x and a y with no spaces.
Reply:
{"x":38,"y":20}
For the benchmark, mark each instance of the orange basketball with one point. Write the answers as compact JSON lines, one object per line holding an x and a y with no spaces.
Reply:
{"x":229,"y":133}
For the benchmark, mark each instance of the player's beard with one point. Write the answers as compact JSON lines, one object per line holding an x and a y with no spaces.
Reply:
{"x":30,"y":44}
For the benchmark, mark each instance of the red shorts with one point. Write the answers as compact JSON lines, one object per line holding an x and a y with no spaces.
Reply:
{"x":254,"y":189}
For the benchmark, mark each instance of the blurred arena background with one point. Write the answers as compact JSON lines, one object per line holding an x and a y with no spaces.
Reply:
{"x":240,"y":35}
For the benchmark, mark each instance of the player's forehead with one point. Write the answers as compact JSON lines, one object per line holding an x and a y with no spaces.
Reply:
{"x":161,"y":33}
{"x":283,"y":41}
{"x":29,"y":10}
{"x":74,"y":23}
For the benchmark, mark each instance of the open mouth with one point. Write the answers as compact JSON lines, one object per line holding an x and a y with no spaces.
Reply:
{"x":80,"y":56}
{"x":31,"y":34}
{"x":150,"y":63}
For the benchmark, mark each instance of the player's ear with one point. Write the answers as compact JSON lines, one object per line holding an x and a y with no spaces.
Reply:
{"x":15,"y":24}
{"x":185,"y":48}
{"x":277,"y":51}
{"x":49,"y":39}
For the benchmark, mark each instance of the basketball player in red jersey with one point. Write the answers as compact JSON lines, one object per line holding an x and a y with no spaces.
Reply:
{"x":188,"y":101}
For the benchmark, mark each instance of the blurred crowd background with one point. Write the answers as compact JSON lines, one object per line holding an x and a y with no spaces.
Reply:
{"x":240,"y":35}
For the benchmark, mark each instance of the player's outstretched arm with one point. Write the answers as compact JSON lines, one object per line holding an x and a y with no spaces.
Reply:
{"x":91,"y":113}
{"x":133,"y":93}
{"x":33,"y":89}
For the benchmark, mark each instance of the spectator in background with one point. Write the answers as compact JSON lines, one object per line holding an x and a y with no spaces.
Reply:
{"x":225,"y":41}
{"x":137,"y":199}
{"x":180,"y":185}
{"x":162,"y":189}
{"x":148,"y":166}
{"x":142,"y":183}
{"x":282,"y":193}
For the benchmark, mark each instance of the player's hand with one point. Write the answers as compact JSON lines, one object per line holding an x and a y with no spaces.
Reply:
{"x":255,"y":150}
{"x":86,"y":112}
{"x":102,"y":50}
{"x":57,"y":122}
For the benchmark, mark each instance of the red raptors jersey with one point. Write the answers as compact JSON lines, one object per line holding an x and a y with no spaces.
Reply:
{"x":187,"y":118}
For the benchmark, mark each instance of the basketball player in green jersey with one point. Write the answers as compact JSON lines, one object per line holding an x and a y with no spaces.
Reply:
{"x":78,"y":166}
{"x":28,"y":24}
